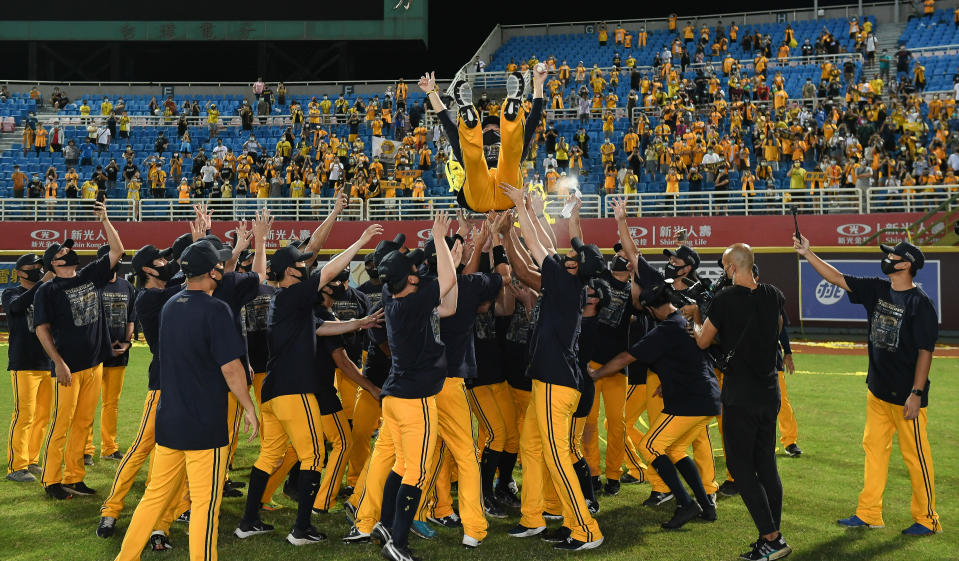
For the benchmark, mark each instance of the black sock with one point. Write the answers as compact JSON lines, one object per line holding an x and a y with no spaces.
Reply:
{"x":488,"y":465}
{"x":293,"y":476}
{"x":667,"y":471}
{"x":254,"y":493}
{"x":687,"y":468}
{"x":507,"y":461}
{"x":407,"y":501}
{"x":585,"y":480}
{"x":306,"y":488}
{"x":390,"y":489}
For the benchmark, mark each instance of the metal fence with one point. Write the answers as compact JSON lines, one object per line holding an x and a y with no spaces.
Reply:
{"x":721,"y":203}
{"x":63,"y":209}
{"x":315,"y":208}
{"x":917,"y":198}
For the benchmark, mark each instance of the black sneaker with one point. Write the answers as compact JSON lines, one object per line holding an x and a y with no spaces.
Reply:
{"x":515,"y":85}
{"x":612,"y":487}
{"x":398,"y":553}
{"x":246,"y":529}
{"x":728,"y":488}
{"x":356,"y":536}
{"x":521,"y":531}
{"x":116,"y":456}
{"x":184,"y":518}
{"x":492,"y":509}
{"x":507,"y":497}
{"x":558,"y":535}
{"x":628,"y":479}
{"x":350,"y":511}
{"x":682,"y":515}
{"x":794,"y":450}
{"x":88,"y":459}
{"x":160,"y":542}
{"x":381,"y":533}
{"x":235,"y":484}
{"x":767,"y":550}
{"x":106,"y":527}
{"x":597,"y":484}
{"x":709,"y":509}
{"x":463,"y":93}
{"x":575,"y":545}
{"x":451,"y":521}
{"x":593,"y":506}
{"x":78,"y":488}
{"x":56,"y":491}
{"x":305,"y":536}
{"x":656,"y":498}
{"x":230,"y":492}
{"x":346,"y":492}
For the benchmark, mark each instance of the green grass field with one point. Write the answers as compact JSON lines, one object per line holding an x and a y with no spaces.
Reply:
{"x":828,"y":394}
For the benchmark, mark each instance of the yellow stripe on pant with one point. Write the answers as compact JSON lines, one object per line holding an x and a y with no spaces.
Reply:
{"x":336,"y":430}
{"x":205,"y":474}
{"x":481,"y":188}
{"x":290,"y":418}
{"x":455,"y":427}
{"x":613,"y":391}
{"x":110,"y":388}
{"x":491,"y":427}
{"x":788,"y":428}
{"x":32,"y":398}
{"x":73,"y":410}
{"x":654,"y":409}
{"x":545,"y":447}
{"x":135,"y":457}
{"x":366,"y":419}
{"x":883,"y":419}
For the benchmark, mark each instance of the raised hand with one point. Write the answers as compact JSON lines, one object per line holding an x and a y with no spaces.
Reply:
{"x":441,"y":225}
{"x":342,"y":201}
{"x":801,"y":245}
{"x":427,"y":82}
{"x":536,"y":203}
{"x":262,"y":225}
{"x":514,"y":194}
{"x":371,"y":232}
{"x":457,"y":252}
{"x":619,"y":208}
{"x":100,"y":211}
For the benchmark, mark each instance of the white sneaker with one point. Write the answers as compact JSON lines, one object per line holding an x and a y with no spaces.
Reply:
{"x":471,"y":542}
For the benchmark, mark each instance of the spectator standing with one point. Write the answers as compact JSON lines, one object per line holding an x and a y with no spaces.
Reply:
{"x":258,"y":88}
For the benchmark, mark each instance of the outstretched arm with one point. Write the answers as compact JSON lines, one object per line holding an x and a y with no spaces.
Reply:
{"x":825,"y":270}
{"x":341,"y":261}
{"x":113,"y":238}
{"x":322,"y":233}
{"x":527,"y":227}
{"x":625,"y":238}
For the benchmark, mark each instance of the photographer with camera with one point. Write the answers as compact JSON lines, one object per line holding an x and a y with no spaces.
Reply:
{"x":903,"y":329}
{"x":689,"y":390}
{"x":747,"y":319}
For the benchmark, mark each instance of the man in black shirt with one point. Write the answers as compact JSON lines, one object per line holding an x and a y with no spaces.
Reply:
{"x":29,"y":371}
{"x":746,"y":317}
{"x":71,"y":326}
{"x":348,"y":304}
{"x":117,"y":298}
{"x":903,"y":328}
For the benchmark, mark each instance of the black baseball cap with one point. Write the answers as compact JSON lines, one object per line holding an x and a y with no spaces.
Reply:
{"x":286,"y":257}
{"x":396,"y":266}
{"x":51,"y":252}
{"x":429,"y":248}
{"x":201,"y":258}
{"x":686,"y":253}
{"x":181,"y":243}
{"x":617,"y":247}
{"x":244,"y":255}
{"x":907,"y":251}
{"x":591,"y":262}
{"x":386,"y":246}
{"x":214,"y":240}
{"x":146,"y":255}
{"x":28,"y":259}
{"x":103,"y":250}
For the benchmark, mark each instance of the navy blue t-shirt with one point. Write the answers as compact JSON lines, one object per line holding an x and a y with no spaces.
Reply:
{"x":237,"y":290}
{"x":196,"y":340}
{"x":638,"y":328}
{"x":690,"y":388}
{"x":418,"y":356}
{"x":327,"y":398}
{"x":118,"y":298}
{"x":254,"y":325}
{"x":291,"y":337}
{"x":553,"y":354}
{"x":148,"y":305}
{"x":73,"y":309}
{"x":25,"y":351}
{"x":489,"y":351}
{"x":900,"y":324}
{"x":457,"y":329}
{"x":588,"y":339}
{"x":377,"y":366}
{"x":374,"y":294}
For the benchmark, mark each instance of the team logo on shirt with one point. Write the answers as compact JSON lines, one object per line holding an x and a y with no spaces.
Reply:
{"x":115,"y":307}
{"x":612,"y":314}
{"x":84,"y":304}
{"x":886,"y":323}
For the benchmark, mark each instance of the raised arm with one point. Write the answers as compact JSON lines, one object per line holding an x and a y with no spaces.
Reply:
{"x":536,"y":206}
{"x":322,"y":233}
{"x":625,"y":238}
{"x":522,"y":267}
{"x":445,"y":270}
{"x":262,"y":225}
{"x":575,"y":227}
{"x":526,"y":225}
{"x":113,"y":238}
{"x":825,"y":270}
{"x":341,"y":261}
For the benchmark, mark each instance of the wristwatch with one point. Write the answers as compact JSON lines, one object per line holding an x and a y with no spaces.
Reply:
{"x":916,"y":392}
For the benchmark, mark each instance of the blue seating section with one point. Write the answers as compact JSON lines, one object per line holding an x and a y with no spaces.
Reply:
{"x":18,"y":105}
{"x":930,"y":31}
{"x":939,"y":70}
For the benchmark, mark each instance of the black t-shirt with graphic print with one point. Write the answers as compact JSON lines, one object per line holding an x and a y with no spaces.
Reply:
{"x":73,"y":309}
{"x":612,"y":335}
{"x":327,"y":397}
{"x":25,"y":351}
{"x":254,"y":327}
{"x":900,"y":324}
{"x":118,"y":298}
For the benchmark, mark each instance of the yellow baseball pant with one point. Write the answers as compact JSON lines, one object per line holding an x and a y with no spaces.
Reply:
{"x":110,"y":388}
{"x":788,"y":429}
{"x":883,"y":419}
{"x":366,"y":419}
{"x":481,"y":188}
{"x":347,"y":389}
{"x":654,"y":408}
{"x":545,"y":448}
{"x":414,"y":423}
{"x":205,"y":473}
{"x":491,"y":426}
{"x":670,"y":436}
{"x":520,"y":399}
{"x":368,"y":493}
{"x":32,"y":398}
{"x":613,"y":391}
{"x":635,"y":405}
{"x":336,"y":430}
{"x":290,"y":419}
{"x":73,"y":410}
{"x":134,"y":458}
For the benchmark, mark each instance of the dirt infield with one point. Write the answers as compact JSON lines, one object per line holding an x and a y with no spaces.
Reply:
{"x":851,"y":348}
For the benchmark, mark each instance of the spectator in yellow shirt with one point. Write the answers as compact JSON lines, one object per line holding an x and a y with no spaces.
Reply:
{"x":419,"y":188}
{"x":672,"y":180}
{"x":133,"y":187}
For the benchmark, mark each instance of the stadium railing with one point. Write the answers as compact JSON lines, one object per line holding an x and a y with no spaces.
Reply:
{"x":245,"y":209}
{"x":426,"y":208}
{"x":63,"y":209}
{"x":721,"y":203}
{"x":908,"y":199}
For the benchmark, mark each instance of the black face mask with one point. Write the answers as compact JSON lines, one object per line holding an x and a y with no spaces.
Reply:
{"x":218,"y":281}
{"x":302,"y":272}
{"x":888,"y":266}
{"x":619,"y":264}
{"x":671,"y":271}
{"x":338,"y":291}
{"x":372,"y":273}
{"x":491,"y":137}
{"x":71,"y":259}
{"x":245,"y":268}
{"x":34,"y":275}
{"x":167,"y":271}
